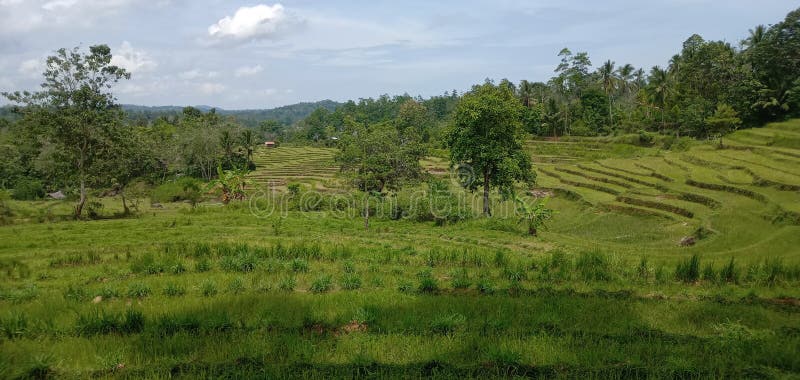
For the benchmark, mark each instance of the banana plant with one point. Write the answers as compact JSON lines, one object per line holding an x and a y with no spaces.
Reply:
{"x":230,"y":184}
{"x":535,"y":215}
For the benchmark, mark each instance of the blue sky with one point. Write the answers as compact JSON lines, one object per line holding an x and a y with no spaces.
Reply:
{"x":235,"y":54}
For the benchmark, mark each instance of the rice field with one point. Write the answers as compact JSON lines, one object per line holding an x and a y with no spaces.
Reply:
{"x":606,"y":291}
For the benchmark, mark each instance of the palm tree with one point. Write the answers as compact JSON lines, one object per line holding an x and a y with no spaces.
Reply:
{"x":609,"y":82}
{"x":659,"y":88}
{"x":249,"y":142}
{"x":627,"y":85}
{"x":756,"y":36}
{"x":525,"y":92}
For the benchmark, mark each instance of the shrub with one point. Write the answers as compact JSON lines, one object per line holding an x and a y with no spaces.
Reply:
{"x":593,"y":266}
{"x":133,"y":322}
{"x":322,"y":284}
{"x":236,"y":286}
{"x":516,"y":273}
{"x":350,"y":282}
{"x":208,"y":288}
{"x":405,"y":286}
{"x":14,"y":326}
{"x":174,"y":290}
{"x":460,"y":279}
{"x":183,"y":189}
{"x":202,"y":265}
{"x":643,"y":270}
{"x":288,"y":284}
{"x":688,"y":270}
{"x":448,"y":324}
{"x":775,"y":271}
{"x":709,"y":274}
{"x":177,"y":268}
{"x":427,"y":283}
{"x":645,"y":138}
{"x":138,"y":290}
{"x":299,"y":265}
{"x":28,"y":190}
{"x":729,"y":273}
{"x":485,"y":285}
{"x":98,"y":322}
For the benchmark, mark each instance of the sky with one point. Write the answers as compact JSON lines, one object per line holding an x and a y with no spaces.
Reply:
{"x":242,"y":55}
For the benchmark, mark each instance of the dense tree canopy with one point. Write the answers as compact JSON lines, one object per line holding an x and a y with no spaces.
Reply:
{"x":487,"y":136}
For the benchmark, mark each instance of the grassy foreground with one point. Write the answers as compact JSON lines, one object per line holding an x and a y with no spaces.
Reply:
{"x":605,"y":292}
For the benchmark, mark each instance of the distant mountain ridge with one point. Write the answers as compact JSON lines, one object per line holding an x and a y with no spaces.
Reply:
{"x":286,"y":115}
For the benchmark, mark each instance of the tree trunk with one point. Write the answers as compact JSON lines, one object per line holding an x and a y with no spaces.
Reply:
{"x":486,"y":209}
{"x":82,"y":201}
{"x":125,"y":209}
{"x":366,"y":212}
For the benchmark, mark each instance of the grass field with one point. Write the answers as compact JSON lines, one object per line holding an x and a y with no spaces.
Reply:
{"x":605,"y":292}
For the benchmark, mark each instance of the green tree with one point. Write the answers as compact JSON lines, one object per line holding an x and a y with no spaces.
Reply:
{"x":535,"y":216}
{"x":724,"y":120}
{"x":248,"y":141}
{"x":377,"y":158}
{"x":488,"y":136}
{"x":609,"y":81}
{"x":78,"y":109}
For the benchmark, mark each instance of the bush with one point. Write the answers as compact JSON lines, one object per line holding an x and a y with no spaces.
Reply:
{"x":174,"y":290}
{"x":299,"y":265}
{"x":202,"y":265}
{"x":183,"y":189}
{"x":322,"y":284}
{"x":288,"y":284}
{"x":460,"y":279}
{"x":138,"y":290}
{"x":350,"y":282}
{"x":729,"y":273}
{"x":236,"y":286}
{"x":208,"y":288}
{"x":448,"y":324}
{"x":593,"y":266}
{"x":645,"y":138}
{"x":688,"y":270}
{"x":427,"y":283}
{"x":709,"y":274}
{"x":28,"y":190}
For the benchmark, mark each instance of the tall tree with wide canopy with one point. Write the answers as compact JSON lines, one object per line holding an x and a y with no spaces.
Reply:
{"x":78,"y":110}
{"x":488,"y":136}
{"x":378,"y":157}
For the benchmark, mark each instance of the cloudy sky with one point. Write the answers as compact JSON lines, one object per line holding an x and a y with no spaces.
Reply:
{"x":235,"y":54}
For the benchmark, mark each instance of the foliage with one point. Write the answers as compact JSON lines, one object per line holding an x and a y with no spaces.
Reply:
{"x":77,"y":112}
{"x":28,"y":190}
{"x":535,"y":216}
{"x":230,"y":184}
{"x":487,"y":137}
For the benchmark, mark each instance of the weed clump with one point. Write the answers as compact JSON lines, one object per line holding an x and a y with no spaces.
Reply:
{"x":688,"y":270}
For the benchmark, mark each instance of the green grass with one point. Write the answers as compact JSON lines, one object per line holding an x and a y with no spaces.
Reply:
{"x":604,"y":292}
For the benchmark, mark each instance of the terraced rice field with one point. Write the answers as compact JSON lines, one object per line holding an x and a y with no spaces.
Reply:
{"x":603,"y":292}
{"x":704,"y":187}
{"x":282,"y":165}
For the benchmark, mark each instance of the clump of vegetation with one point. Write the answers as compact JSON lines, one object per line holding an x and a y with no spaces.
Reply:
{"x":322,"y":284}
{"x":427,"y":282}
{"x":350,"y":281}
{"x":688,"y":270}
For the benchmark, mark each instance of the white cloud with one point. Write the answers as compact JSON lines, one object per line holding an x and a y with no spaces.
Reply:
{"x":210,"y":88}
{"x":23,"y":16}
{"x":253,"y":23}
{"x":197,"y":73}
{"x":246,"y":71}
{"x":32,"y":68}
{"x":132,"y":59}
